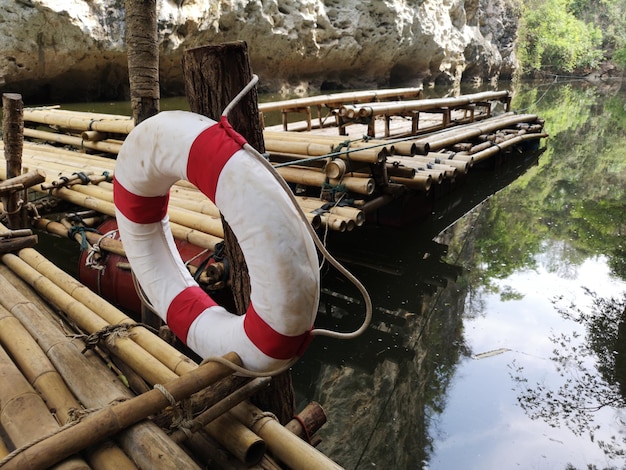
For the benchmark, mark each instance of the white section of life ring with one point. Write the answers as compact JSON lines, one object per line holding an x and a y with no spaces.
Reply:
{"x":278,"y":248}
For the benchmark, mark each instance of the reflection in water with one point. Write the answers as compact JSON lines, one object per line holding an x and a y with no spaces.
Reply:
{"x":592,"y":369}
{"x":415,"y":391}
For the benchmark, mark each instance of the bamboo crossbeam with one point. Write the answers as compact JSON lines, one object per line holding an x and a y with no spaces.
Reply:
{"x":306,"y":149}
{"x":405,"y":107}
{"x":338,"y":98}
{"x":79,"y":121}
{"x":78,"y":142}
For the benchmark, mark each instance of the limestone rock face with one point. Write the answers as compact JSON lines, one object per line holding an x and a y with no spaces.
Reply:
{"x":74,"y":49}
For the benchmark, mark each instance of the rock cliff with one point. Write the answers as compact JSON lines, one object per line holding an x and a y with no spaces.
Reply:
{"x":74,"y":49}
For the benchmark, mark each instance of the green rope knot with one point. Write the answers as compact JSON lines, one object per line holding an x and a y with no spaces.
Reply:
{"x":79,"y":229}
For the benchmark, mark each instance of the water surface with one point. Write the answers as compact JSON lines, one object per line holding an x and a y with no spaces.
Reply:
{"x":497,"y":340}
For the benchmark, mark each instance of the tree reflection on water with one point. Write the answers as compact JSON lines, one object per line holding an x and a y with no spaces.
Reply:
{"x":593,"y":372}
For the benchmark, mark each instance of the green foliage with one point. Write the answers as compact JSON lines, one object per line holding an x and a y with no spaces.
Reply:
{"x":552,"y":38}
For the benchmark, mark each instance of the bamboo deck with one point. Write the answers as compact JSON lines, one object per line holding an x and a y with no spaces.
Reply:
{"x":84,"y":384}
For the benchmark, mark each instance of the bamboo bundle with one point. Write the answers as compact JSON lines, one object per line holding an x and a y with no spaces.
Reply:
{"x":23,"y":414}
{"x":193,"y":236}
{"x":419,"y":181}
{"x":80,"y":121}
{"x":164,"y":353}
{"x":78,"y":142}
{"x":346,"y":211}
{"x":309,"y":177}
{"x":44,"y":378}
{"x":115,"y":418}
{"x":437,"y":170}
{"x":91,"y":381}
{"x":460,"y":166}
{"x":495,"y":149}
{"x":136,"y":357}
{"x":471,"y":131}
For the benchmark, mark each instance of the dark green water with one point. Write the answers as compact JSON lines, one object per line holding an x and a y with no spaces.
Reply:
{"x":498,"y":333}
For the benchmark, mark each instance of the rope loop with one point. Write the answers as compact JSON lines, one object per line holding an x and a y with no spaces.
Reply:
{"x":109,"y":334}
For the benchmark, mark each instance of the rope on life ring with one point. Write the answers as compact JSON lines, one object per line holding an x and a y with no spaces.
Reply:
{"x":263,"y":214}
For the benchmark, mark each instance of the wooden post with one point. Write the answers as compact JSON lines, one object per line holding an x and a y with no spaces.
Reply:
{"x":214,"y":75}
{"x":13,"y":138}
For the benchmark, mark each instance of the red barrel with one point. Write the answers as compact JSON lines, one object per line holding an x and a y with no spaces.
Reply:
{"x":111,"y":277}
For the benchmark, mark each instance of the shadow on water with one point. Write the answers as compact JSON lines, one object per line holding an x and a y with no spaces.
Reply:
{"x":407,"y":356}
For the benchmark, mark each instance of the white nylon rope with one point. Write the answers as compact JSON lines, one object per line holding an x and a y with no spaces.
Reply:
{"x":316,"y":240}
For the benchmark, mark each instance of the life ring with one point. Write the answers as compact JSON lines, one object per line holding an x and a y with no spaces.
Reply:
{"x":279,"y":250}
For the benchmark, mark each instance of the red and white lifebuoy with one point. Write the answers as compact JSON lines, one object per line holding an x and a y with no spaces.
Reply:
{"x":278,"y":248}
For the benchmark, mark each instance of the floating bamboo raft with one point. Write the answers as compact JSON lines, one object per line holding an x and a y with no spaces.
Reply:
{"x":338,"y":180}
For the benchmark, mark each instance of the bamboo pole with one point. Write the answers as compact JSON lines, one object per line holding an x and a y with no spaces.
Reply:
{"x":336,"y":98}
{"x":82,"y":122}
{"x":115,"y":418}
{"x":286,"y":446}
{"x":238,"y":439}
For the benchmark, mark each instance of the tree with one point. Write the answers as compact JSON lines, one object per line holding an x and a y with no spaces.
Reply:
{"x":143,"y":57}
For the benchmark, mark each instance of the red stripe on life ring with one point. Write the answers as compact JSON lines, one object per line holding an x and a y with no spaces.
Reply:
{"x":271,"y":342}
{"x":209,"y":152}
{"x":185,"y":308}
{"x":139,"y":209}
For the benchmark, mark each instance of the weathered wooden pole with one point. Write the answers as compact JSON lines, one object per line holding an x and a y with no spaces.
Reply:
{"x":13,"y":138}
{"x":143,"y":57}
{"x":214,"y":75}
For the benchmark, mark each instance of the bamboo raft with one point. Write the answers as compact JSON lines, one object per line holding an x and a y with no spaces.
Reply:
{"x":337,"y":180}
